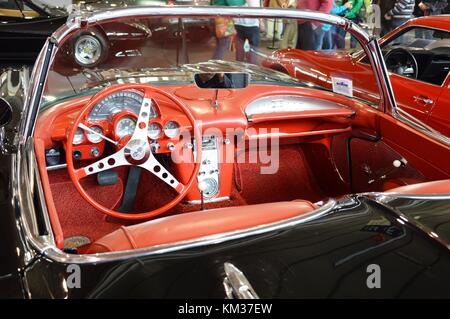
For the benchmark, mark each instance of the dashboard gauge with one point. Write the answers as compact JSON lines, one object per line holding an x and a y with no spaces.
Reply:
{"x":129,"y":100}
{"x":154,"y":131}
{"x":125,"y":126}
{"x":78,"y":138}
{"x":92,"y":137}
{"x":172,"y":129}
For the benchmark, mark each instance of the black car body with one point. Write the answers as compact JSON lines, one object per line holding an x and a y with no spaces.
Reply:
{"x":24,"y":29}
{"x":328,"y":253}
{"x":26,"y":26}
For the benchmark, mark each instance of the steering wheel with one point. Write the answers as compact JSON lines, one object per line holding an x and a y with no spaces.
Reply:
{"x":136,"y":151}
{"x":402,"y":62}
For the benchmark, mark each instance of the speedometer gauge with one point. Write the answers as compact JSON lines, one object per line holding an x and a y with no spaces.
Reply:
{"x":128,"y":100}
{"x":125,"y":126}
{"x":154,"y":131}
{"x":171,"y":129}
{"x":95,"y":138}
{"x":78,"y":138}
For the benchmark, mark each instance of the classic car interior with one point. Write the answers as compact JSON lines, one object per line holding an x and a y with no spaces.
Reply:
{"x":134,"y":164}
{"x":426,"y":59}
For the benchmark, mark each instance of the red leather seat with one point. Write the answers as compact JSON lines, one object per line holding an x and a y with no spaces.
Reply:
{"x":435,"y":187}
{"x":197,"y":224}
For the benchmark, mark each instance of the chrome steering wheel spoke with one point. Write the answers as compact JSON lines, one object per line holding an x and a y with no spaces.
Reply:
{"x":115,"y":160}
{"x":140,"y":131}
{"x":153,"y":166}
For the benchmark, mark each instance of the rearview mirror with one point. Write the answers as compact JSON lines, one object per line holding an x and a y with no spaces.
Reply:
{"x":221,"y":80}
{"x":5,"y":112}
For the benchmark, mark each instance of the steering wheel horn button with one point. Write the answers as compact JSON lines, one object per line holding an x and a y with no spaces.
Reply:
{"x":137,"y":151}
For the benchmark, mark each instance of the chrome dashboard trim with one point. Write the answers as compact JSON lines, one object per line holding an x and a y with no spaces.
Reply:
{"x":288,"y":104}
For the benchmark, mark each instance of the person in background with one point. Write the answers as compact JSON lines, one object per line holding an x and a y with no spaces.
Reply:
{"x":400,"y":13}
{"x":274,"y":27}
{"x":224,"y":28}
{"x":310,"y":33}
{"x":353,"y":15}
{"x":447,"y":8}
{"x":329,"y":30}
{"x":365,"y":13}
{"x":289,"y":39}
{"x":247,"y":35}
{"x":428,"y":8}
{"x":385,"y":6}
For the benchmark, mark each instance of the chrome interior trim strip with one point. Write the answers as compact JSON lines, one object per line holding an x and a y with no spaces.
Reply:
{"x":285,"y":104}
{"x":56,"y":167}
{"x":92,"y":18}
{"x":209,"y":200}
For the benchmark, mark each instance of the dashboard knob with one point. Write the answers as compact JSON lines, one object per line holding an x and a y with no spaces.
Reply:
{"x":76,"y":155}
{"x":170,"y":146}
{"x":95,"y":152}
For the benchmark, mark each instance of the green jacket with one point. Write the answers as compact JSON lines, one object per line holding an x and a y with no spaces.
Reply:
{"x":228,"y":3}
{"x":356,"y":7}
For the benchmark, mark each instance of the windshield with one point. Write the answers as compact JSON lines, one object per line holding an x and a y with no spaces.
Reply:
{"x":172,"y":50}
{"x":55,"y":8}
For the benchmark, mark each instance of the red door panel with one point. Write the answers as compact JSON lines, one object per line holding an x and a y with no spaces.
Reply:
{"x":440,"y":115}
{"x":415,"y":97}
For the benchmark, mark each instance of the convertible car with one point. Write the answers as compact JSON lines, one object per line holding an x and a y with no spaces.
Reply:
{"x":417,"y":56}
{"x":173,"y":175}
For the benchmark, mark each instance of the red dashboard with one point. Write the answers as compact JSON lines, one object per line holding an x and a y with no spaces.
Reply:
{"x":224,"y":114}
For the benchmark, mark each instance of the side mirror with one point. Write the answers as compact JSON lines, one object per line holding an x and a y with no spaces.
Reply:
{"x":6,"y":112}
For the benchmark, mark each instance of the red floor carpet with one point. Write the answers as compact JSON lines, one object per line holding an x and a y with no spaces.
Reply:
{"x":293,"y":180}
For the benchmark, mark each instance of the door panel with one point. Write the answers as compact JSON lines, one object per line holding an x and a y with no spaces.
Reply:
{"x":428,"y":156}
{"x":440,"y":115}
{"x":415,"y":97}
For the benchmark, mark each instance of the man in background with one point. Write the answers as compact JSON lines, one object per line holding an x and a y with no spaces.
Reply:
{"x":309,"y":32}
{"x":289,"y":39}
{"x":400,"y":13}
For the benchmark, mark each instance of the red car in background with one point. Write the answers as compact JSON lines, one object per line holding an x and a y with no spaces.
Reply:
{"x":417,"y":55}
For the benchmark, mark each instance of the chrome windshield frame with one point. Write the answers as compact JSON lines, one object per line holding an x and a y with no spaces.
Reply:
{"x":80,"y":20}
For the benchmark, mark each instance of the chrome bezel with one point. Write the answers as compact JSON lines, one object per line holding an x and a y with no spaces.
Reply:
{"x":161,"y":130}
{"x":97,"y":138}
{"x":177,"y":129}
{"x":83,"y":137}
{"x":116,"y":128}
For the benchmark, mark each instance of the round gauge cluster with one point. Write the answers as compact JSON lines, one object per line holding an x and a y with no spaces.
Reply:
{"x":125,"y":126}
{"x":154,"y":131}
{"x":78,"y":138}
{"x":172,"y":129}
{"x":127,"y":100}
{"x":93,"y":135}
